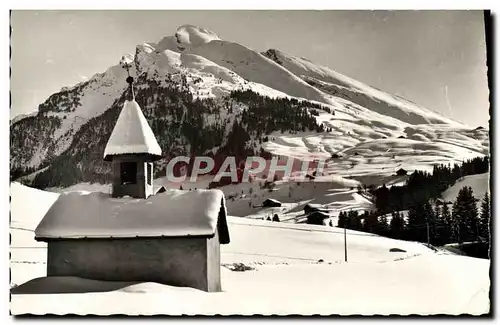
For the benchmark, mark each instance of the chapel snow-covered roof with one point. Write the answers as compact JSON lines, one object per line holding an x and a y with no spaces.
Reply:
{"x":132,"y":134}
{"x":173,"y":213}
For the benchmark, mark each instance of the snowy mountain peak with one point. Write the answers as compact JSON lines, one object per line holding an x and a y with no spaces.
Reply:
{"x":194,"y":36}
{"x":186,"y":36}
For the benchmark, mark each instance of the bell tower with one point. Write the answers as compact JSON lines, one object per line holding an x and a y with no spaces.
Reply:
{"x":132,"y":148}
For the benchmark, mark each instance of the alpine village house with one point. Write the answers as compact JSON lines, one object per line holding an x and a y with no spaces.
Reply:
{"x":171,"y":237}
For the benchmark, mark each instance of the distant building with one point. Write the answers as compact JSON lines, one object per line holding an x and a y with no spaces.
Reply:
{"x":440,"y":201}
{"x":308,"y":208}
{"x":271,"y":203}
{"x":401,"y":172}
{"x":317,"y":218}
{"x":140,"y":232}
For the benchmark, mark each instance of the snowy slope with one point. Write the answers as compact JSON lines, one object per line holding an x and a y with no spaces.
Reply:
{"x":339,"y":85}
{"x":302,"y":243}
{"x":376,"y":149}
{"x":254,"y":67}
{"x":28,"y":205}
{"x":297,"y":269}
{"x":479,"y":183}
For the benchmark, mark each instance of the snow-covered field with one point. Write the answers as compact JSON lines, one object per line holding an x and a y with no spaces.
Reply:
{"x":297,"y":269}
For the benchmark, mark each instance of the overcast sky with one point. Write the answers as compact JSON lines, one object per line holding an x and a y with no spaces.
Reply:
{"x":434,"y":58}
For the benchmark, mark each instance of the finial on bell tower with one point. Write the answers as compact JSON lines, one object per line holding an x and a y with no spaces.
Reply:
{"x":127,"y":64}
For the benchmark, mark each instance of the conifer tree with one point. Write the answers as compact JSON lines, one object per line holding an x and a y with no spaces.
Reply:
{"x":341,"y":221}
{"x":446,"y":222}
{"x":353,"y":220}
{"x":382,"y":199}
{"x":431,"y":223}
{"x":370,"y":222}
{"x":455,"y":225}
{"x":484,"y":221}
{"x":397,"y":226}
{"x":417,"y":222}
{"x":465,"y":212}
{"x":437,"y":211}
{"x":383,"y":226}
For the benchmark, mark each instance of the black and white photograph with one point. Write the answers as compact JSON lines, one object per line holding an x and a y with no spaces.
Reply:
{"x":250,"y":162}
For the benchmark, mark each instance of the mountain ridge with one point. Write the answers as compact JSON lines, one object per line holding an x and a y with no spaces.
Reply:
{"x":196,"y":78}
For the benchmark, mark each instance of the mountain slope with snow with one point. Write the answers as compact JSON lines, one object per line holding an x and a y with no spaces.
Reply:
{"x":254,"y":67}
{"x":195,"y":82}
{"x":338,"y":85}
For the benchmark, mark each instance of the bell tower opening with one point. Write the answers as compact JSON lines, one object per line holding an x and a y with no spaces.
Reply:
{"x":128,"y":173}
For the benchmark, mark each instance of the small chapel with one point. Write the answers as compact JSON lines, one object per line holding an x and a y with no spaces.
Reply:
{"x":136,"y":233}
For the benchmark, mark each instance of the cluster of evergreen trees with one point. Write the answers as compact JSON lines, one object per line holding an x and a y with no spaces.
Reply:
{"x":67,"y":100}
{"x":422,"y":186}
{"x":429,"y":218}
{"x":27,"y":137}
{"x":436,"y":224}
{"x":265,"y":115}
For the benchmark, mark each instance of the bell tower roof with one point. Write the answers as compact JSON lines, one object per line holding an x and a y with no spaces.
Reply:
{"x":132,"y":133}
